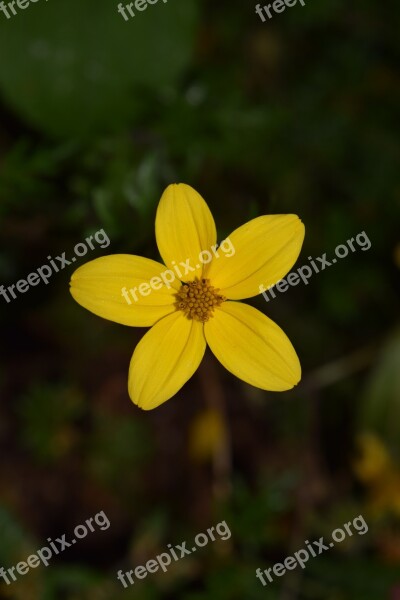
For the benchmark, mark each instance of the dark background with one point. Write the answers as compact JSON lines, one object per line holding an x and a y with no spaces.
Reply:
{"x":295,"y":115}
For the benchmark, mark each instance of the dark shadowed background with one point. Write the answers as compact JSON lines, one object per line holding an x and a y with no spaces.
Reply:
{"x":295,"y":115}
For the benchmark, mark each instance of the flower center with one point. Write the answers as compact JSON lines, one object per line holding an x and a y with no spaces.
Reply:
{"x":197,"y":299}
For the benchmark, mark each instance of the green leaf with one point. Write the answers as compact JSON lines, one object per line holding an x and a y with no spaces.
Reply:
{"x":74,"y":68}
{"x":380,"y":410}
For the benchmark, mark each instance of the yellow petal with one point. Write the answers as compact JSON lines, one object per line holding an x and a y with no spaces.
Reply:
{"x":165,"y":358}
{"x":252,"y":347}
{"x":266,"y":248}
{"x":184,"y":228}
{"x":99,"y":287}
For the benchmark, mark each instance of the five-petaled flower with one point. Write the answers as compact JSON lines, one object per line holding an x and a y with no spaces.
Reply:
{"x":190,"y":314}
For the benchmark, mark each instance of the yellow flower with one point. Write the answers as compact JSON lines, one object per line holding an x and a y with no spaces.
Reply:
{"x":377,"y":470}
{"x":206,"y":435}
{"x":198,"y":309}
{"x":373,"y":462}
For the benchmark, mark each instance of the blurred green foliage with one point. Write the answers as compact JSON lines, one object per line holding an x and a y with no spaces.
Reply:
{"x":380,"y":411}
{"x":47,"y":415}
{"x":77,"y":69}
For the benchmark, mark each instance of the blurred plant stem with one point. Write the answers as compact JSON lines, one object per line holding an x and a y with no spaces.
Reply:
{"x":214,"y":397}
{"x":341,"y":368}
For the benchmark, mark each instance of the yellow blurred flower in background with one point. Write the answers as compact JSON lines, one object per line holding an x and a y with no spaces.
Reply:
{"x":373,"y":462}
{"x":380,"y":474}
{"x":207,"y":434}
